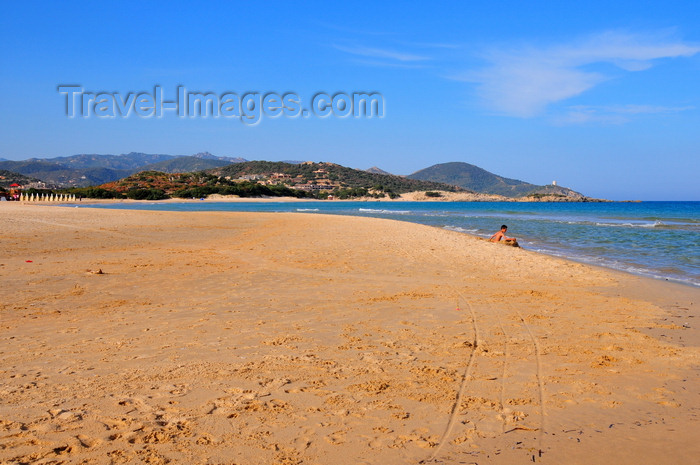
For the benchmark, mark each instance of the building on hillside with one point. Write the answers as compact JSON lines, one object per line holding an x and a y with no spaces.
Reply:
{"x":313,"y":187}
{"x":35,"y":185}
{"x":251,"y":177}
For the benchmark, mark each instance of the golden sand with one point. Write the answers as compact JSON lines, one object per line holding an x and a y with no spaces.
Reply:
{"x":252,"y":338}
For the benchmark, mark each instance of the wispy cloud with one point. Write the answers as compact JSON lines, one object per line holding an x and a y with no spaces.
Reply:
{"x":353,"y":31}
{"x":387,"y":63}
{"x":613,"y":114}
{"x":523,"y":81}
{"x":432,"y":45}
{"x":381,"y":53}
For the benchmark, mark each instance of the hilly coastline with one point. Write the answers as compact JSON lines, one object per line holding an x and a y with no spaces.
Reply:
{"x":316,"y":176}
{"x":156,"y":176}
{"x":263,"y":178}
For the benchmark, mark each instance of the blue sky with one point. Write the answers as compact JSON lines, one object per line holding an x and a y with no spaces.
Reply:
{"x":603,"y":97}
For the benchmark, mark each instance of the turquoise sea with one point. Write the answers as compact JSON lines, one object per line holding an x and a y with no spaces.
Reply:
{"x":655,"y":239}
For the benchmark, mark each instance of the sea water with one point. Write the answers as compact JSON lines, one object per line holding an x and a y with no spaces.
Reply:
{"x":655,"y":239}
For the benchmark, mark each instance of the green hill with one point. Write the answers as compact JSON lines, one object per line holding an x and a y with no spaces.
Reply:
{"x":156,"y":185}
{"x":348,"y":178}
{"x":478,"y":179}
{"x":7,"y":178}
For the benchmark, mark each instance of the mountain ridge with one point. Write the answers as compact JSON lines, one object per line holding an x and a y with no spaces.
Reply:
{"x":185,"y":164}
{"x":83,"y":170}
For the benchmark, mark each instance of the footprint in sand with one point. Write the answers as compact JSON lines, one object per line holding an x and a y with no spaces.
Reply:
{"x":336,"y":438}
{"x":87,"y":441}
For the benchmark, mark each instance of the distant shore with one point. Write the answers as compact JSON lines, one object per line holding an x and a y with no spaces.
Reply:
{"x":407,"y":197}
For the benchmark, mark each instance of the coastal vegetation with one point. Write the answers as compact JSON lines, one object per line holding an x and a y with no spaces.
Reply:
{"x":541,"y":195}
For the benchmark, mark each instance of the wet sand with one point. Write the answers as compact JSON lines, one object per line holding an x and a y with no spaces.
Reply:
{"x":287,"y":338}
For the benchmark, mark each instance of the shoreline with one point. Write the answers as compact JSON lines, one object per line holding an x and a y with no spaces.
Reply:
{"x":480,"y":198}
{"x":555,"y":252}
{"x":415,"y":196}
{"x":303,"y":338}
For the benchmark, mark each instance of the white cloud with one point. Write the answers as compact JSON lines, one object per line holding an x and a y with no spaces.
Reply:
{"x":382,"y":53}
{"x":433,"y":45}
{"x":613,"y":114}
{"x":524,"y":81}
{"x":387,"y":64}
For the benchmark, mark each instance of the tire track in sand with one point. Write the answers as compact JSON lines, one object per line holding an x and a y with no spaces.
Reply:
{"x":466,"y":376}
{"x":506,"y":355}
{"x":77,"y":227}
{"x":538,"y":375}
{"x":540,"y":383}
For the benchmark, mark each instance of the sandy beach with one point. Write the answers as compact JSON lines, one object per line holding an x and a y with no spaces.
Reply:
{"x":289,"y":338}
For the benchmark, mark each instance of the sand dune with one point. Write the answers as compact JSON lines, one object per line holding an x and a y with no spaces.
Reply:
{"x":250,"y":338}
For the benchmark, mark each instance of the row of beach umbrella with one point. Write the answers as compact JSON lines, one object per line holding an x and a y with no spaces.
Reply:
{"x":47,"y":198}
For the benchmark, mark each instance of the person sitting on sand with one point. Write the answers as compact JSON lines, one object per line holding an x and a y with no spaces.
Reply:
{"x":502,"y":235}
